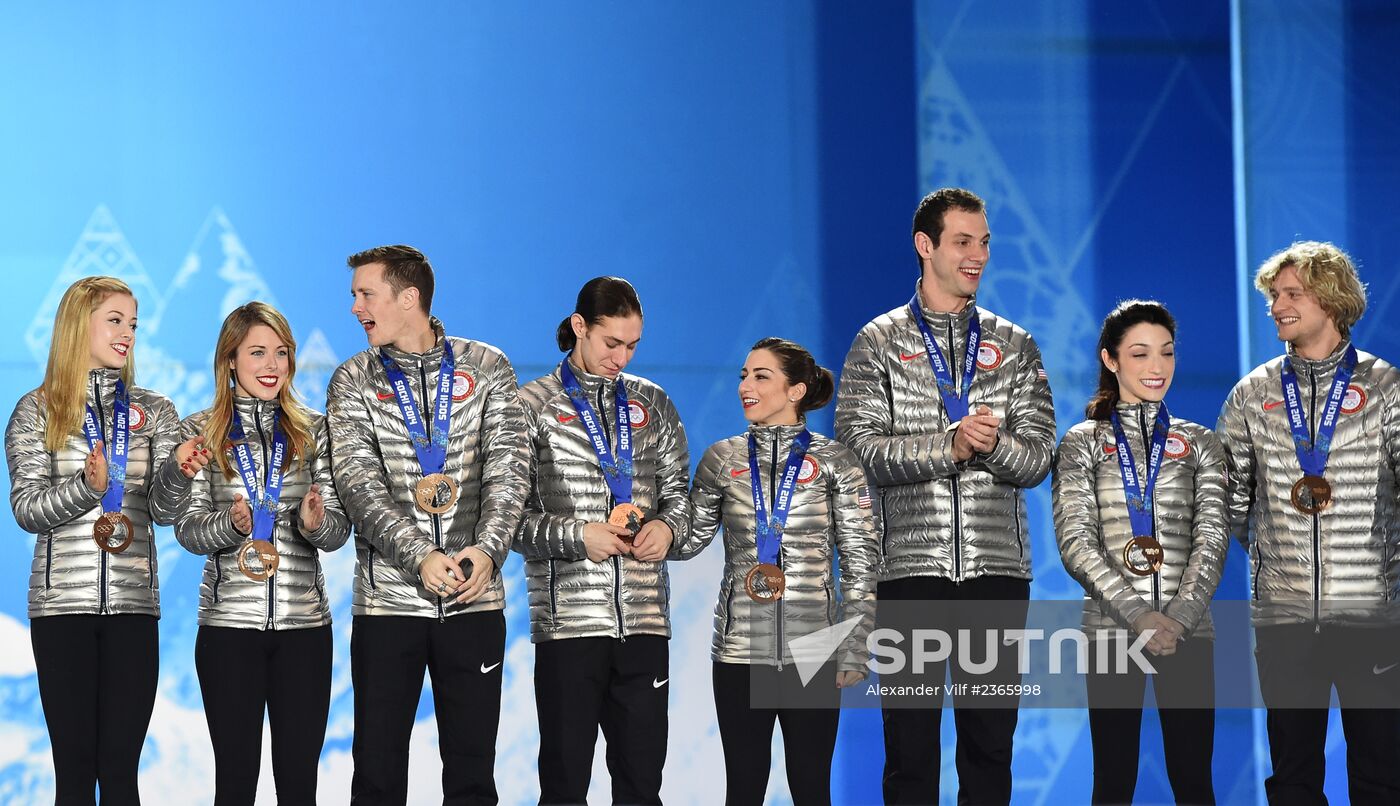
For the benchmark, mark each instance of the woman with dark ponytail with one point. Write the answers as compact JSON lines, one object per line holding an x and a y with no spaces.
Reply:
{"x":607,"y":501}
{"x":1139,"y":501}
{"x":789,"y":501}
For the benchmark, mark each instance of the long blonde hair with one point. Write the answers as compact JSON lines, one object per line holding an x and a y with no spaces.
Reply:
{"x":65,"y":379}
{"x":295,"y":420}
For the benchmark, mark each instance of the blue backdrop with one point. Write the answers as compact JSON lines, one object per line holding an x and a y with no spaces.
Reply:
{"x":752,"y":168}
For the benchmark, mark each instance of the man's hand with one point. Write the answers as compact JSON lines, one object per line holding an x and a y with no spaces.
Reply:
{"x":481,"y":570}
{"x":653,"y":542}
{"x":976,"y":433}
{"x":603,"y":540}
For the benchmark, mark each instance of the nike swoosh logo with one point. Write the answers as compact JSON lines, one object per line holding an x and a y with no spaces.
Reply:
{"x":487,"y":669}
{"x":909,"y":357}
{"x":567,"y":418}
{"x":739,"y":472}
{"x":384,"y":395}
{"x":659,"y":683}
{"x":1383,"y":669}
{"x":1271,"y":406}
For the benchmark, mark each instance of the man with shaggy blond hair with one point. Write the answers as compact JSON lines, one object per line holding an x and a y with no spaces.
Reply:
{"x":1313,"y":444}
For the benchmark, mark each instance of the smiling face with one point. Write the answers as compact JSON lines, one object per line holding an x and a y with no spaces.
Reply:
{"x":1299,"y":316}
{"x":112,"y":332}
{"x":952,"y":268}
{"x":606,"y":346}
{"x":387,"y":318}
{"x":261,"y":364}
{"x":1145,"y":363}
{"x":764,"y":391}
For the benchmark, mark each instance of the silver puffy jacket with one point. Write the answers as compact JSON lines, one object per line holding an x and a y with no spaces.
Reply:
{"x":570,"y":595}
{"x":295,"y":596}
{"x":1343,"y":564}
{"x":942,"y":518}
{"x":70,"y":574}
{"x":375,"y":469}
{"x":830,"y":514}
{"x":1188,"y":509}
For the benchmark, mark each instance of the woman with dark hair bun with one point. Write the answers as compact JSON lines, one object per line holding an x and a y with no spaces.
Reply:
{"x":789,"y":501}
{"x":607,"y":501}
{"x":1139,"y":501}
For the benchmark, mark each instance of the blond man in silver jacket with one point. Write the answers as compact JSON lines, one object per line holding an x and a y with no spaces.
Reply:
{"x":951,"y":451}
{"x":599,"y":585}
{"x":1139,"y":502}
{"x":1313,"y":443}
{"x":434,"y":508}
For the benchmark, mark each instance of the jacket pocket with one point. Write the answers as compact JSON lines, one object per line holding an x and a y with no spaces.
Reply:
{"x":729,"y":611}
{"x":218,"y":574}
{"x":369,"y":564}
{"x":48,"y":562}
{"x":553,"y":593}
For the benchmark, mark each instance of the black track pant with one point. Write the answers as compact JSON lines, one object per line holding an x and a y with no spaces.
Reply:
{"x":623,"y":687}
{"x":463,"y":656}
{"x":243,"y":672}
{"x":97,"y":682}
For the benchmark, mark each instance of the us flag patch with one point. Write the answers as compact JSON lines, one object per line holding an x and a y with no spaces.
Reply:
{"x":1040,"y":373}
{"x":863,"y":498}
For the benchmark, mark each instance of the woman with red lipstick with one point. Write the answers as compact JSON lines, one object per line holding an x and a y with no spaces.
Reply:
{"x":607,"y":500}
{"x":83,"y":452}
{"x":789,"y":501}
{"x":1139,"y":502}
{"x":261,"y":512}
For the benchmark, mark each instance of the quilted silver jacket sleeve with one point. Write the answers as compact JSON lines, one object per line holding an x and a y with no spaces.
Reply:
{"x":570,"y":595}
{"x":1341,"y":565}
{"x":70,"y":575}
{"x":1210,"y":540}
{"x":829,"y":519}
{"x":295,"y":596}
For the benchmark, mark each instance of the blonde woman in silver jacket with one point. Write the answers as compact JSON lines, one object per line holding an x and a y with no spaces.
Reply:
{"x":812,"y":505}
{"x":608,"y":499}
{"x":261,"y":512}
{"x":83,"y":450}
{"x":1139,"y":502}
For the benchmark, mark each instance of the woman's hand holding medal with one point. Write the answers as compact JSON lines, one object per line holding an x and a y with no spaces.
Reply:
{"x":95,"y":469}
{"x":312,"y":511}
{"x":192,"y":456}
{"x":242,"y":515}
{"x":653,"y":542}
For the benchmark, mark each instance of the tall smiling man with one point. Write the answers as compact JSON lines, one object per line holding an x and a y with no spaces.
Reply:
{"x":948,"y":407}
{"x":432,"y":459}
{"x":1312,"y":439}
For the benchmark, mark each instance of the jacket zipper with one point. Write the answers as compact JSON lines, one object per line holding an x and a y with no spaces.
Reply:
{"x":102,"y":555}
{"x":1151,"y":502}
{"x":616,"y":560}
{"x":773,"y":502}
{"x":553,"y":594}
{"x":1316,"y":518}
{"x":424,"y":409}
{"x":271,"y":583}
{"x":953,"y":482}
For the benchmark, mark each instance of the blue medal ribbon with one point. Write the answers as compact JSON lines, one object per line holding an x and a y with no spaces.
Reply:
{"x":770,"y":530}
{"x":1140,"y":495}
{"x":616,"y":472}
{"x":116,"y":450}
{"x":264,"y":506}
{"x":431,"y":450}
{"x":954,"y":399}
{"x":1312,"y":454}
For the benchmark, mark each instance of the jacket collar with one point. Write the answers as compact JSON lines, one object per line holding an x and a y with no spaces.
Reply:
{"x":429,"y":359}
{"x":1321,"y":367}
{"x":941,"y":319}
{"x":252,"y":410}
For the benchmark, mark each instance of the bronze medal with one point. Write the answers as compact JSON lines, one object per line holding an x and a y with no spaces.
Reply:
{"x":1143,"y":556}
{"x":1312,"y":494}
{"x":630,"y":517}
{"x":258,"y":559}
{"x":435,"y":493}
{"x":113,"y":532}
{"x":764,"y":583}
